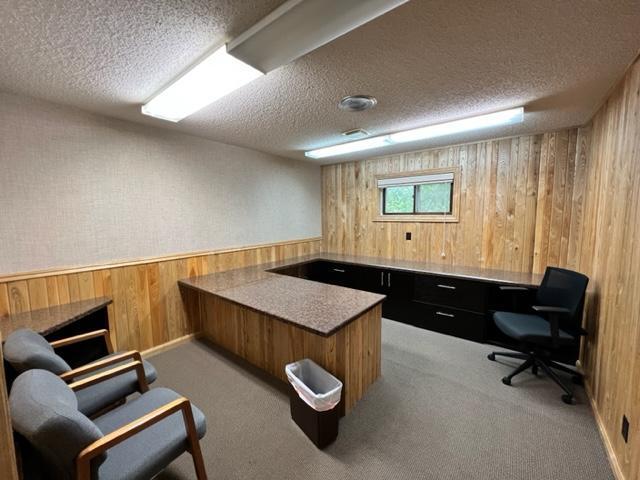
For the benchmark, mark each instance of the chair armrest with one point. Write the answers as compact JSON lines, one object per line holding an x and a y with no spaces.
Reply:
{"x":553,"y":314}
{"x":92,"y":367}
{"x":546,"y":309}
{"x":83,"y":460}
{"x":114,"y":372}
{"x":83,"y":337}
{"x":508,"y":288}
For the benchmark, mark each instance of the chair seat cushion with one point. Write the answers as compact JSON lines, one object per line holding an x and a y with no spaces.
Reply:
{"x":529,"y":328}
{"x":148,"y":452}
{"x":95,"y":398}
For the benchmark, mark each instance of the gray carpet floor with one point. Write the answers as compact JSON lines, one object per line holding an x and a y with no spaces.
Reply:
{"x":439,"y":411}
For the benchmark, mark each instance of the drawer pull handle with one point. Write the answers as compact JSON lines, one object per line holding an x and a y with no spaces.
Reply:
{"x":448,"y":287}
{"x":442,"y":314}
{"x":340,"y":270}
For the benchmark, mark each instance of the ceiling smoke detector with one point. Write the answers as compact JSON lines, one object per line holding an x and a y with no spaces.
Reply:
{"x":357,"y":103}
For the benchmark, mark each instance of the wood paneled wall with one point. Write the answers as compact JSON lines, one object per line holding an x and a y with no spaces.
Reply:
{"x":148,"y":307}
{"x":516,"y":201}
{"x":609,"y":252}
{"x":569,"y":198}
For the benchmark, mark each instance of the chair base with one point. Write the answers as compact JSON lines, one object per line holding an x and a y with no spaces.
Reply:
{"x":535,"y":361}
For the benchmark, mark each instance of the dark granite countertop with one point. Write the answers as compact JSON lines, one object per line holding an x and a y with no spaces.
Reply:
{"x":48,"y":320}
{"x":319,"y":307}
{"x":470,"y":273}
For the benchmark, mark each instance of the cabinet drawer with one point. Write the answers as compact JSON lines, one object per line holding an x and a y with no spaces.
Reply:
{"x":338,"y":274}
{"x":451,"y":321}
{"x":451,"y":292}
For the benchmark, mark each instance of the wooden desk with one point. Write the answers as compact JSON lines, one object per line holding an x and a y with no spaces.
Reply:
{"x":64,"y":321}
{"x":271,"y":320}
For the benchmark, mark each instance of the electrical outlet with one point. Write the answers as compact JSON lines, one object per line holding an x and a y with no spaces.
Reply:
{"x":625,"y":428}
{"x":407,"y":236}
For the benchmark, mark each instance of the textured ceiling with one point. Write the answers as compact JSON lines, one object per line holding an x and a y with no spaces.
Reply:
{"x":425,"y":62}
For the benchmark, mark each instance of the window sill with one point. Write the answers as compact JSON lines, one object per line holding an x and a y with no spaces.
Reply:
{"x":417,"y":218}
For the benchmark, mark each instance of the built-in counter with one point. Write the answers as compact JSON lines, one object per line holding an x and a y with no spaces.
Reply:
{"x":279,"y":312}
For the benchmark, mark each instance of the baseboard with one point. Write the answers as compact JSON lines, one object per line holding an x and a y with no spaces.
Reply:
{"x":613,"y":459}
{"x":169,"y":345}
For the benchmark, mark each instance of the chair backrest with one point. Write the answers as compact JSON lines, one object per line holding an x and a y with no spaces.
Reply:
{"x":25,"y":349}
{"x":563,"y":288}
{"x":44,"y":410}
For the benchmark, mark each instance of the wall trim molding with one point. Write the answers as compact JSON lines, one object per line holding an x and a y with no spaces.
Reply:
{"x":14,"y":277}
{"x":170,"y":344}
{"x":611,"y":455}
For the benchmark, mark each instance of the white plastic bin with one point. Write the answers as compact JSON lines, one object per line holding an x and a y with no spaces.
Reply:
{"x":317,"y":387}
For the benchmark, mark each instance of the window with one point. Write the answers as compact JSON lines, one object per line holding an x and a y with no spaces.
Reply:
{"x":419,"y":196}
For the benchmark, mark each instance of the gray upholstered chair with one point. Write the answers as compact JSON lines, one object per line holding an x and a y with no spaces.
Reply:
{"x":134,"y":441}
{"x":25,"y":349}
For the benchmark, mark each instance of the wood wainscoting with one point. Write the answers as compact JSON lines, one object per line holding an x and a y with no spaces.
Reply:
{"x":148,"y":308}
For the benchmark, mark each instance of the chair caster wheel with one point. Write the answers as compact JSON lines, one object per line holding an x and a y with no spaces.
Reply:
{"x":577,"y":379}
{"x":491,"y":357}
{"x":568,"y":399}
{"x":506,"y":380}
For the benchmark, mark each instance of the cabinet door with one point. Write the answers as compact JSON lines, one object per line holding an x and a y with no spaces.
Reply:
{"x":372,"y":279}
{"x":399,"y":285}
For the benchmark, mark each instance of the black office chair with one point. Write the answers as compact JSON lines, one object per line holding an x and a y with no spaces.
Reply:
{"x":557,"y":325}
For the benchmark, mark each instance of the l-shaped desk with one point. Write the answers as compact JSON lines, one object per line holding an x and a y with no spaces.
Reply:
{"x":328,"y":307}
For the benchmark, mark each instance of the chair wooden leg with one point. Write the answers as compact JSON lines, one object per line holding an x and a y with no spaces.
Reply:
{"x":194,"y":443}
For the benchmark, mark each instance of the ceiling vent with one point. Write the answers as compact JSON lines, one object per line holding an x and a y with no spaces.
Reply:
{"x":357,"y":103}
{"x":355,"y":133}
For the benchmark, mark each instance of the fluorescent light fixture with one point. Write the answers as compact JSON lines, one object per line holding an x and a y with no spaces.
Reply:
{"x":214,"y":77}
{"x":344,"y":148}
{"x":505,"y":117}
{"x":298,"y":27}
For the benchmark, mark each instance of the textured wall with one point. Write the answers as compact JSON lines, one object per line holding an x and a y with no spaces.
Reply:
{"x":80,"y":189}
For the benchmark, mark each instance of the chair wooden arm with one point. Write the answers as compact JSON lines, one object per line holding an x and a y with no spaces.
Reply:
{"x":83,"y":460}
{"x":85,"y":336}
{"x":71,"y":374}
{"x":114,"y":372}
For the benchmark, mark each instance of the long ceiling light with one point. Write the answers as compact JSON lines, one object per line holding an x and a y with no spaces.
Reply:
{"x":298,"y":27}
{"x":292,"y":30}
{"x":504,"y":117}
{"x":214,"y":77}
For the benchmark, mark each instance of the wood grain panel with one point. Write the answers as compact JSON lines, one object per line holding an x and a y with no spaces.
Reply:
{"x":352,"y":354}
{"x":148,"y":307}
{"x":608,"y":250}
{"x":498,"y":200}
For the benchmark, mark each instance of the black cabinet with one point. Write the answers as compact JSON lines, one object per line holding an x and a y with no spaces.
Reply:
{"x":454,"y":292}
{"x":462,"y":307}
{"x":449,"y":320}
